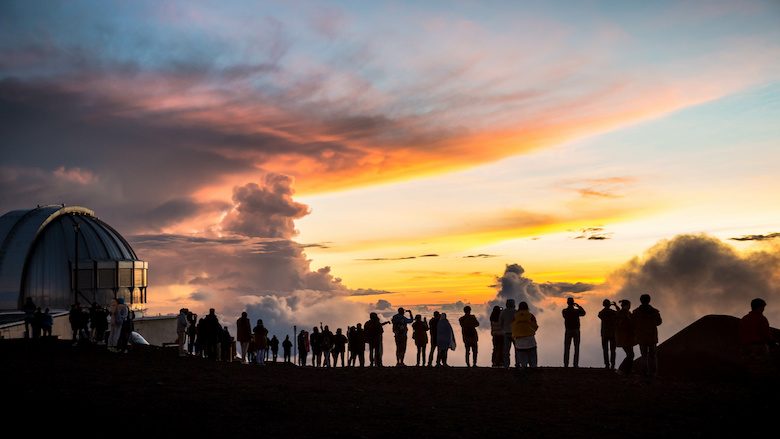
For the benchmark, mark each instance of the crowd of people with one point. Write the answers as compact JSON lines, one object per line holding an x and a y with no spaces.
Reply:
{"x":510,"y":328}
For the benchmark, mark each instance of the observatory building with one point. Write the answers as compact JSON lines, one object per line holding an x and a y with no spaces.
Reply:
{"x":59,"y":254}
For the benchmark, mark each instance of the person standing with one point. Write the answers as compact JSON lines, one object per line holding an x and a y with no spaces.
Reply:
{"x":497,"y":333}
{"x":524,"y":328}
{"x":339,"y":347}
{"x":756,"y":335}
{"x":624,"y":337}
{"x":261,"y":342}
{"x":607,"y":316}
{"x":445,"y":340}
{"x":357,"y":342}
{"x":468,"y":325}
{"x":274,"y":346}
{"x":29,"y":317}
{"x":47,"y":323}
{"x":420,"y":336}
{"x":287,"y":348}
{"x":400,"y":330}
{"x":434,"y":326}
{"x":181,"y":330}
{"x":505,"y":321}
{"x":243,"y":334}
{"x":373,"y":331}
{"x":571,"y":319}
{"x":646,"y":321}
{"x":303,"y":347}
{"x":118,"y":319}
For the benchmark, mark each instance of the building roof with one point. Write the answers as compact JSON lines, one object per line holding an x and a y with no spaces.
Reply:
{"x":38,"y":251}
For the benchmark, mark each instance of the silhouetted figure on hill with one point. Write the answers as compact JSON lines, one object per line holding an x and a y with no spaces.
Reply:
{"x":225,"y":347}
{"x":445,"y":340}
{"x":97,"y":322}
{"x":327,"y":345}
{"x":261,"y":342}
{"x":357,"y":345}
{"x":315,"y":340}
{"x":497,"y":333}
{"x":47,"y":323}
{"x":608,"y":316}
{"x":524,"y":328}
{"x":624,"y":336}
{"x":181,"y":330}
{"x":571,"y":319}
{"x":505,"y":321}
{"x":37,"y":323}
{"x":287,"y":348}
{"x":339,"y":347}
{"x":79,"y":320}
{"x":468,"y":324}
{"x":756,"y":336}
{"x":373,"y":332}
{"x":243,"y":334}
{"x":210,"y":333}
{"x":646,"y":321}
{"x":420,"y":336}
{"x":29,"y":316}
{"x":192,"y":332}
{"x":434,"y":325}
{"x":303,"y":347}
{"x":274,"y":345}
{"x":400,"y":331}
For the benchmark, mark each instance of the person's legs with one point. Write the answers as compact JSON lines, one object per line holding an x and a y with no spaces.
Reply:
{"x":508,"y":343}
{"x":577,"y":348}
{"x":567,"y":339}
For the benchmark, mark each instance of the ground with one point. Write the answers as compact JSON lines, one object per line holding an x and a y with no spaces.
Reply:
{"x":153,"y":390}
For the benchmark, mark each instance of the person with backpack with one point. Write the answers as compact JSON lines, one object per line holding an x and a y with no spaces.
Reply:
{"x":400,"y":330}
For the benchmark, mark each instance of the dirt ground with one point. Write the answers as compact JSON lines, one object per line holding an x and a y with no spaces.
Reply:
{"x":152,"y":390}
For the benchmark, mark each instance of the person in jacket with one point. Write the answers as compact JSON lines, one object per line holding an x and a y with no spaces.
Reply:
{"x":445,"y":340}
{"x":261,"y":342}
{"x":524,"y":328}
{"x":243,"y":334}
{"x":434,"y":326}
{"x":497,"y":333}
{"x":624,"y":336}
{"x":755,"y":335}
{"x":420,"y":335}
{"x":373,"y":333}
{"x":646,"y":321}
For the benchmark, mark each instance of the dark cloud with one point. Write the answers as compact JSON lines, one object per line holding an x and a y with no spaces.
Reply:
{"x":766,"y":237}
{"x":691,"y":276}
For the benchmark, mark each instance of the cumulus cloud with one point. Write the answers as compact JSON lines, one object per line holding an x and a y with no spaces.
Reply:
{"x":690,"y":276}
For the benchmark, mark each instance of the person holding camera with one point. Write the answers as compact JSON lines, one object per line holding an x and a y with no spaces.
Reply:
{"x":608,"y":317}
{"x":571,"y":319}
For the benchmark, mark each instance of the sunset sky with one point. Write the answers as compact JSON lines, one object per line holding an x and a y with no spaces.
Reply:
{"x":315,"y":161}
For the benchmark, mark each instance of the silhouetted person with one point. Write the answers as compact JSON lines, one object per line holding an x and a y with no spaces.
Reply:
{"x":505,"y":321}
{"x":646,"y":321}
{"x":78,"y":323}
{"x":339,"y":347}
{"x":624,"y":336}
{"x":608,"y":316}
{"x":445,"y":340}
{"x":468,"y":325}
{"x":224,"y":349}
{"x":243,"y":334}
{"x":181,"y":330}
{"x":434,"y":325}
{"x":29,"y":317}
{"x":261,"y":342}
{"x":571,"y":318}
{"x":756,"y":335}
{"x":37,"y":323}
{"x":303,"y":347}
{"x":357,"y":343}
{"x":47,"y":323}
{"x":315,"y":340}
{"x":420,"y":336}
{"x":400,"y":330}
{"x":524,"y":328}
{"x":210,"y":333}
{"x":287,"y":348}
{"x":497,"y":333}
{"x":373,"y":331}
{"x":327,"y":345}
{"x":274,"y":345}
{"x":192,"y":332}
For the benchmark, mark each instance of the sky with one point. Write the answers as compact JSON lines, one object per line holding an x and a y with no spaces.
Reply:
{"x":313,"y":162}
